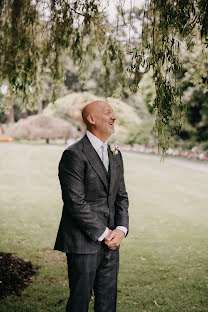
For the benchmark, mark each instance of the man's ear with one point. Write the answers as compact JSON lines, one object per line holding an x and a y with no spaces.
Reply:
{"x":91,"y":119}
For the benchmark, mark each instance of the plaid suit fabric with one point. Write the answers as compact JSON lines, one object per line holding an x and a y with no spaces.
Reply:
{"x":92,"y":200}
{"x":99,"y":272}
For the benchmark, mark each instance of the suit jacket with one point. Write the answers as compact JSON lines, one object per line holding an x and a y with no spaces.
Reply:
{"x":93,"y":199}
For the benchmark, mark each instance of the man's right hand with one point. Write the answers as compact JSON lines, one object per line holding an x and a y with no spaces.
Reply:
{"x":114,"y":239}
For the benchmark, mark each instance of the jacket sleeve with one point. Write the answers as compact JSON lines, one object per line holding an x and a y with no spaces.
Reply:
{"x":71,"y":176}
{"x":121,"y":201}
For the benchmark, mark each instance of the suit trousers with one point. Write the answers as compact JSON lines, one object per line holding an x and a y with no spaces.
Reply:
{"x":98,"y":272}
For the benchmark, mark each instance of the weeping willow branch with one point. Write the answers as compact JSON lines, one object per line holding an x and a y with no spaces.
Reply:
{"x":34,"y":35}
{"x":165,"y":25}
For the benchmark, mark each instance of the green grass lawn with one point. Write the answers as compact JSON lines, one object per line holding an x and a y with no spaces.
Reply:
{"x":163,"y":262}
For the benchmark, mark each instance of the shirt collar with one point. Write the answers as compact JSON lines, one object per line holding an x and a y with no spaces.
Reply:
{"x":96,"y":143}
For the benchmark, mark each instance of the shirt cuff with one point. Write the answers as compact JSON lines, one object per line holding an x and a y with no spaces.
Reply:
{"x":122,"y":228}
{"x":103,"y":235}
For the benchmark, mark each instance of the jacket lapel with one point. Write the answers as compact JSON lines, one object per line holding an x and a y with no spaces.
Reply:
{"x":113,"y":165}
{"x":94,"y":160}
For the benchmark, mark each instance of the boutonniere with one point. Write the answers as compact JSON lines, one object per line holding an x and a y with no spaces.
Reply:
{"x":114,"y":149}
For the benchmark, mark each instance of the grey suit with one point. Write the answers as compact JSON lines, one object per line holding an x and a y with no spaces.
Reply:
{"x":93,"y":199}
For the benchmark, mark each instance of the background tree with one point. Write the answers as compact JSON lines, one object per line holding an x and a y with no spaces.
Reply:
{"x":195,"y":96}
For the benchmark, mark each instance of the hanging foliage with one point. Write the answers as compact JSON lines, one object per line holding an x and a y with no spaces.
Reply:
{"x":35,"y":34}
{"x":166,"y":26}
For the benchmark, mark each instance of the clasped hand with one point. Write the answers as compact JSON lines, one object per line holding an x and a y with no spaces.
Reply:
{"x":114,"y":238}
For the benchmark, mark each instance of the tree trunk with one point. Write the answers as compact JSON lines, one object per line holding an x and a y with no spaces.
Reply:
{"x":40,"y":107}
{"x":10,"y":118}
{"x":2,"y":129}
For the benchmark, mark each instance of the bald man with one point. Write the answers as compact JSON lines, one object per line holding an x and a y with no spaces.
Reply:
{"x":95,"y":212}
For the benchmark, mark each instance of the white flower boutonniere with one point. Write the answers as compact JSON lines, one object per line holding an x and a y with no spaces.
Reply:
{"x":114,"y":149}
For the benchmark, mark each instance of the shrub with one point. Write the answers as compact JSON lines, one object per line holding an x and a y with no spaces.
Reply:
{"x":141,"y":134}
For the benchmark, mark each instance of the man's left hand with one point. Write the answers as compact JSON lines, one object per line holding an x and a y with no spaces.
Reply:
{"x":114,"y":239}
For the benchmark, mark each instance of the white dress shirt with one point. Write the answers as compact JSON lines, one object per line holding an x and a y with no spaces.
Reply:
{"x":97,"y":143}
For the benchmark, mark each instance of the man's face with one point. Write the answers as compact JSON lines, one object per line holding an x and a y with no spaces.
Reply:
{"x":105,"y":120}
